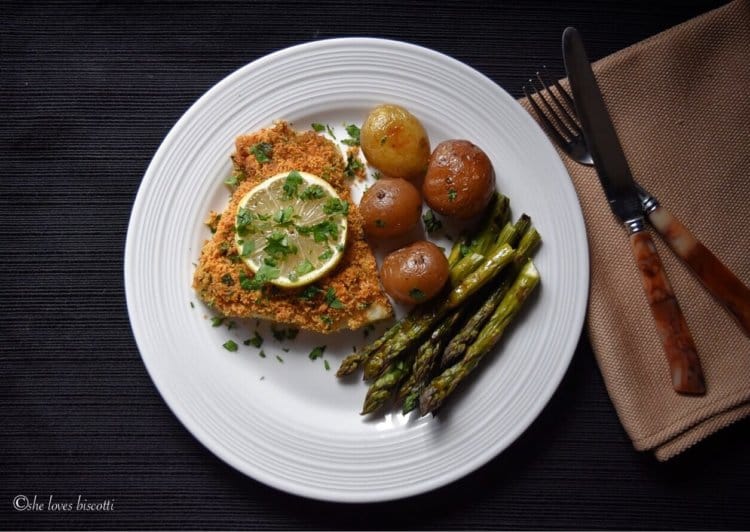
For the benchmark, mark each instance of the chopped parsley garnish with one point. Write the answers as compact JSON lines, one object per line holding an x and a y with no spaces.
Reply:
{"x":330,"y":131}
{"x":336,"y":206}
{"x":234,"y":179}
{"x":310,"y":292}
{"x":267,"y":273}
{"x":247,"y":283}
{"x":192,"y":305}
{"x":354,"y":134}
{"x":326,"y":365}
{"x":431,"y":222}
{"x":230,"y":345}
{"x":317,"y":352}
{"x":264,"y":274}
{"x":291,"y":183}
{"x":279,"y":359}
{"x":244,"y":221}
{"x":213,"y":222}
{"x":278,"y":246}
{"x":304,"y":267}
{"x":255,"y":341}
{"x":376,"y":175}
{"x":282,"y":333}
{"x":327,"y":254}
{"x":312,"y":192}
{"x":278,"y":332}
{"x":416,"y":294}
{"x":332,"y":300}
{"x":317,"y":127}
{"x":247,"y":248}
{"x":452,"y":194}
{"x":284,"y":215}
{"x":262,"y":151}
{"x":217,"y":320}
{"x":262,"y":354}
{"x":227,"y":279}
{"x":320,"y":231}
{"x":325,"y":318}
{"x":352,"y":165}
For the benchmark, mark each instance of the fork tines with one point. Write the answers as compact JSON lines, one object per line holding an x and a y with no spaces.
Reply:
{"x":558,"y":119}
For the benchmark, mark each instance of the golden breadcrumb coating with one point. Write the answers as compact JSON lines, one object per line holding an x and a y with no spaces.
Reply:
{"x":354,"y":281}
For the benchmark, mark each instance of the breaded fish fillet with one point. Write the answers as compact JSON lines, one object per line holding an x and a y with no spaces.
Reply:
{"x":354,"y":282}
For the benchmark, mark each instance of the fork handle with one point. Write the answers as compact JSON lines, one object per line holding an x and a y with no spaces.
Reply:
{"x":717,"y":278}
{"x":678,"y":344}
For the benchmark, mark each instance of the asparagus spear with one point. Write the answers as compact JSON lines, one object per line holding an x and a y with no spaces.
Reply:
{"x":411,"y":380}
{"x":509,"y":234}
{"x":352,"y":362}
{"x":497,"y":258}
{"x":424,"y":362}
{"x":426,"y":358}
{"x":469,"y":332}
{"x":414,"y":328}
{"x":383,"y":387}
{"x":467,"y":260}
{"x":465,"y":266}
{"x":441,"y":386}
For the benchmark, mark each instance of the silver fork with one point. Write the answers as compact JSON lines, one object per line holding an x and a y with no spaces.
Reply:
{"x":558,"y":117}
{"x":559,"y":121}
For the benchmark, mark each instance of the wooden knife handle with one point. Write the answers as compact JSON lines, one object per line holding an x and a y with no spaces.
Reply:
{"x":717,"y":278}
{"x":684,"y":365}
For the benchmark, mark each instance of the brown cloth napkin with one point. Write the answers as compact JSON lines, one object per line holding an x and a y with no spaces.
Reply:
{"x":680,"y":102}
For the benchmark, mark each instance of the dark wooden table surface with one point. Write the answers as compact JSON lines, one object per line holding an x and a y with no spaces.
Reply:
{"x":88,"y":90}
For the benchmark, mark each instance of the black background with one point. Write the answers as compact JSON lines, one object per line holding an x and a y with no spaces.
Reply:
{"x":87,"y":93}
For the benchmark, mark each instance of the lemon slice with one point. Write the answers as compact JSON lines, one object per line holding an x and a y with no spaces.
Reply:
{"x":290,"y":229}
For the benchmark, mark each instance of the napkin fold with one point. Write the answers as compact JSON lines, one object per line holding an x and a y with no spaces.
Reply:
{"x":680,"y":102}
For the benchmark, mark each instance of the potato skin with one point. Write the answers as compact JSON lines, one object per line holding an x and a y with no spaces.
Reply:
{"x":395,"y":142}
{"x":415,"y":273}
{"x":390,"y":208}
{"x":459,"y":180}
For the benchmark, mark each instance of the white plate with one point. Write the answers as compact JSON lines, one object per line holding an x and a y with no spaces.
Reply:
{"x":292,"y":425}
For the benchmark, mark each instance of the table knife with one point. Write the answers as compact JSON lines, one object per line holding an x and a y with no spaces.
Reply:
{"x":622,"y":194}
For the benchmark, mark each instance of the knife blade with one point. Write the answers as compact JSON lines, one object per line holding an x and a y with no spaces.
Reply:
{"x":621,"y":192}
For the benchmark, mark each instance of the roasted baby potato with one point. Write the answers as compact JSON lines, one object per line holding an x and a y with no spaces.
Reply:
{"x":390,"y":208}
{"x":459,"y":180}
{"x":415,"y":273}
{"x":394,"y":141}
